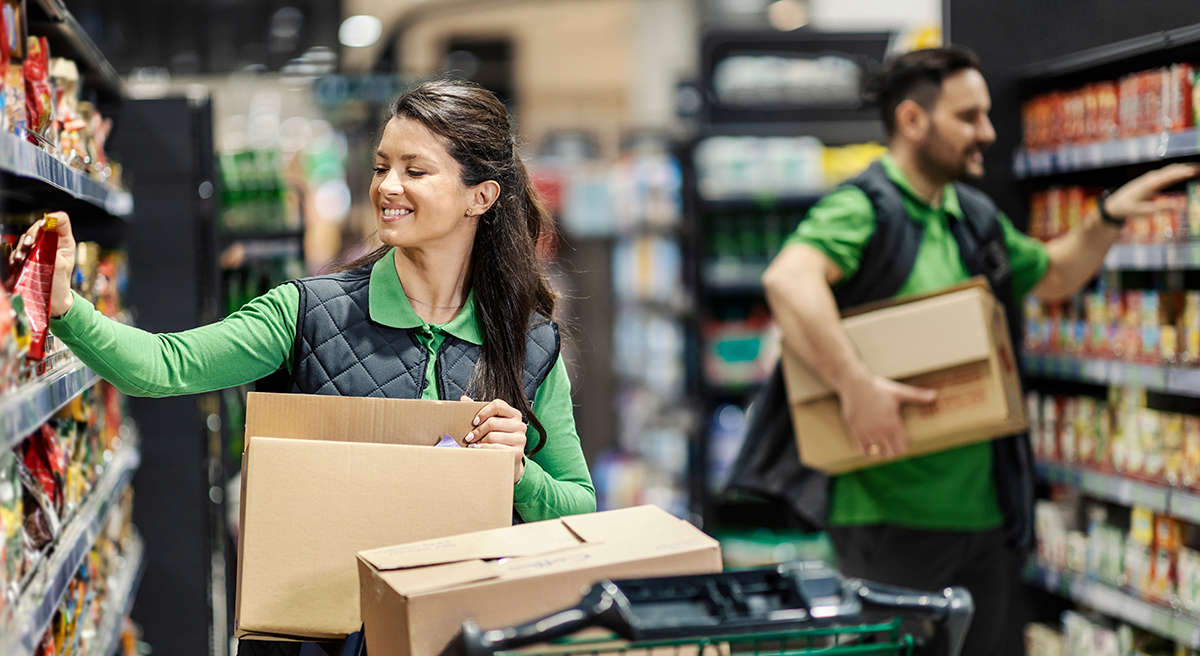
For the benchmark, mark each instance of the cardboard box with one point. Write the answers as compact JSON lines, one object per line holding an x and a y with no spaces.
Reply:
{"x":325,"y":477}
{"x":954,"y":341}
{"x":416,"y":596}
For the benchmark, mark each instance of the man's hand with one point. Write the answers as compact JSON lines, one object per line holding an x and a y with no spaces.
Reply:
{"x":871,"y":410}
{"x":1136,"y":197}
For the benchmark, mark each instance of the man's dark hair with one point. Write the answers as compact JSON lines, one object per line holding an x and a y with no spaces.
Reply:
{"x":918,"y":75}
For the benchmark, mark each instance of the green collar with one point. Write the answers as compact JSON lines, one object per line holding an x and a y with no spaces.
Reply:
{"x":390,"y":307}
{"x":949,"y":195}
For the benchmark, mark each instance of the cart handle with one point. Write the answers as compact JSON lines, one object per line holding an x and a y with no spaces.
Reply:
{"x":604,"y":606}
{"x":955,"y":607}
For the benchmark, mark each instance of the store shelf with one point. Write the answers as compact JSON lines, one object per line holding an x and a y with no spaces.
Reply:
{"x":764,"y":201}
{"x":734,"y":277}
{"x":31,"y":177}
{"x":1118,"y":152}
{"x":51,"y":19}
{"x":1112,"y":487}
{"x":1160,"y":620}
{"x":1157,"y":49}
{"x":35,"y":607}
{"x":25,"y":409}
{"x":120,"y":601}
{"x":831,"y":133}
{"x":1153,"y":257}
{"x":1182,"y":381}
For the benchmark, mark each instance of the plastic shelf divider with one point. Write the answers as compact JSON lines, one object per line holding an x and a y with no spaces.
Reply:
{"x":1181,"y":381}
{"x":1118,"y":152}
{"x":38,"y":601}
{"x":31,"y":405}
{"x":1163,"y":621}
{"x":1111,"y":487}
{"x":23,"y":159}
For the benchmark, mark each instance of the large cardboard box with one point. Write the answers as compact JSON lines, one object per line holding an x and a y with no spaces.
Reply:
{"x":954,"y":341}
{"x":416,"y":596}
{"x":325,"y":477}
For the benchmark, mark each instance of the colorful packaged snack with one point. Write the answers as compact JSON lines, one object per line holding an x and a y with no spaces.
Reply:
{"x":1068,"y":445}
{"x":1151,"y":325}
{"x":1050,"y":413}
{"x":1085,"y":428}
{"x":14,"y":98}
{"x":34,"y":283}
{"x":1104,"y":432}
{"x":47,"y":464}
{"x":1190,"y":471}
{"x":1172,"y":447}
{"x":39,"y":99}
{"x":1151,"y":445}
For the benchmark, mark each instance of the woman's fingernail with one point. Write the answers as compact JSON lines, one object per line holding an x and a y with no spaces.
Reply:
{"x":475,"y":421}
{"x":472,"y":446}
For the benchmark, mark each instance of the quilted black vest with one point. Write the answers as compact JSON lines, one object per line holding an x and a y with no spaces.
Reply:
{"x":340,"y":351}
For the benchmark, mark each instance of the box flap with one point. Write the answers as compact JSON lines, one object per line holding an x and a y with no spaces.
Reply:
{"x":357,"y":419}
{"x":894,"y":341}
{"x":439,"y":577}
{"x":623,"y":523}
{"x":521,"y":540}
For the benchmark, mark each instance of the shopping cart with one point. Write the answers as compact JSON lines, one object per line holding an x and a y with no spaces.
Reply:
{"x":788,"y":610}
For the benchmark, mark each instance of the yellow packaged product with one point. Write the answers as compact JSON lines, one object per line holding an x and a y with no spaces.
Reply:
{"x":1172,"y":447}
{"x":1190,"y":472}
{"x":1151,"y":444}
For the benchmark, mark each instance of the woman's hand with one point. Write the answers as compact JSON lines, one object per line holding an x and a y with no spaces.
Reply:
{"x":64,"y":261}
{"x":500,"y":426}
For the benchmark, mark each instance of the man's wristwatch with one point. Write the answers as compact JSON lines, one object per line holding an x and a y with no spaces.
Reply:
{"x":1104,"y":215}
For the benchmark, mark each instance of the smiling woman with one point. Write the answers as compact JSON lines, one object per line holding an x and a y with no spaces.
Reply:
{"x":454,"y":304}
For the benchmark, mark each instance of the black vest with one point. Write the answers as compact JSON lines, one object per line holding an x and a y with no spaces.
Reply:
{"x":341,"y":351}
{"x":769,"y":466}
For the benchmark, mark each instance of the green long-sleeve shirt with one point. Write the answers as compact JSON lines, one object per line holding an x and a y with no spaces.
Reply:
{"x":257,"y":340}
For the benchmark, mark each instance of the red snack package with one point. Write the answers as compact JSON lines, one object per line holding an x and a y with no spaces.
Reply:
{"x":34,"y":284}
{"x":39,"y":100}
{"x":48,"y":464}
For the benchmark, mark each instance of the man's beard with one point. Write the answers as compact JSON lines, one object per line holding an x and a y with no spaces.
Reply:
{"x":958,"y":171}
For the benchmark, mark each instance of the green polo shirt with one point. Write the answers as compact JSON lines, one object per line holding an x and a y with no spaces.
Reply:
{"x":950,"y":490}
{"x":257,"y":340}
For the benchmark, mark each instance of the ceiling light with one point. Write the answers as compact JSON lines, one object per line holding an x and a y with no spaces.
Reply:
{"x":360,"y":31}
{"x":787,"y":15}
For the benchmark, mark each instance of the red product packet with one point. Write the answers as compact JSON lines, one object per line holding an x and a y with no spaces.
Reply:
{"x":39,"y":100}
{"x":48,"y":464}
{"x":34,"y":285}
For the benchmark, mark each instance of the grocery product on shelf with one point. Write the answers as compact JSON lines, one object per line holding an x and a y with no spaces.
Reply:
{"x":254,"y":193}
{"x":650,"y":336}
{"x":1087,"y":634}
{"x":1116,"y":434}
{"x":741,"y":352}
{"x":770,"y":79}
{"x":1146,"y":102}
{"x":1144,"y":325}
{"x":42,"y":102}
{"x":1057,"y":210}
{"x":94,"y":595}
{"x":730,"y":167}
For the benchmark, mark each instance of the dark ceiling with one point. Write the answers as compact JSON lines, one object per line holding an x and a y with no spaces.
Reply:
{"x":207,"y":36}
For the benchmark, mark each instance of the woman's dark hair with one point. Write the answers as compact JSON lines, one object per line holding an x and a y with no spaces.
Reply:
{"x":507,"y":276}
{"x":918,"y":75}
